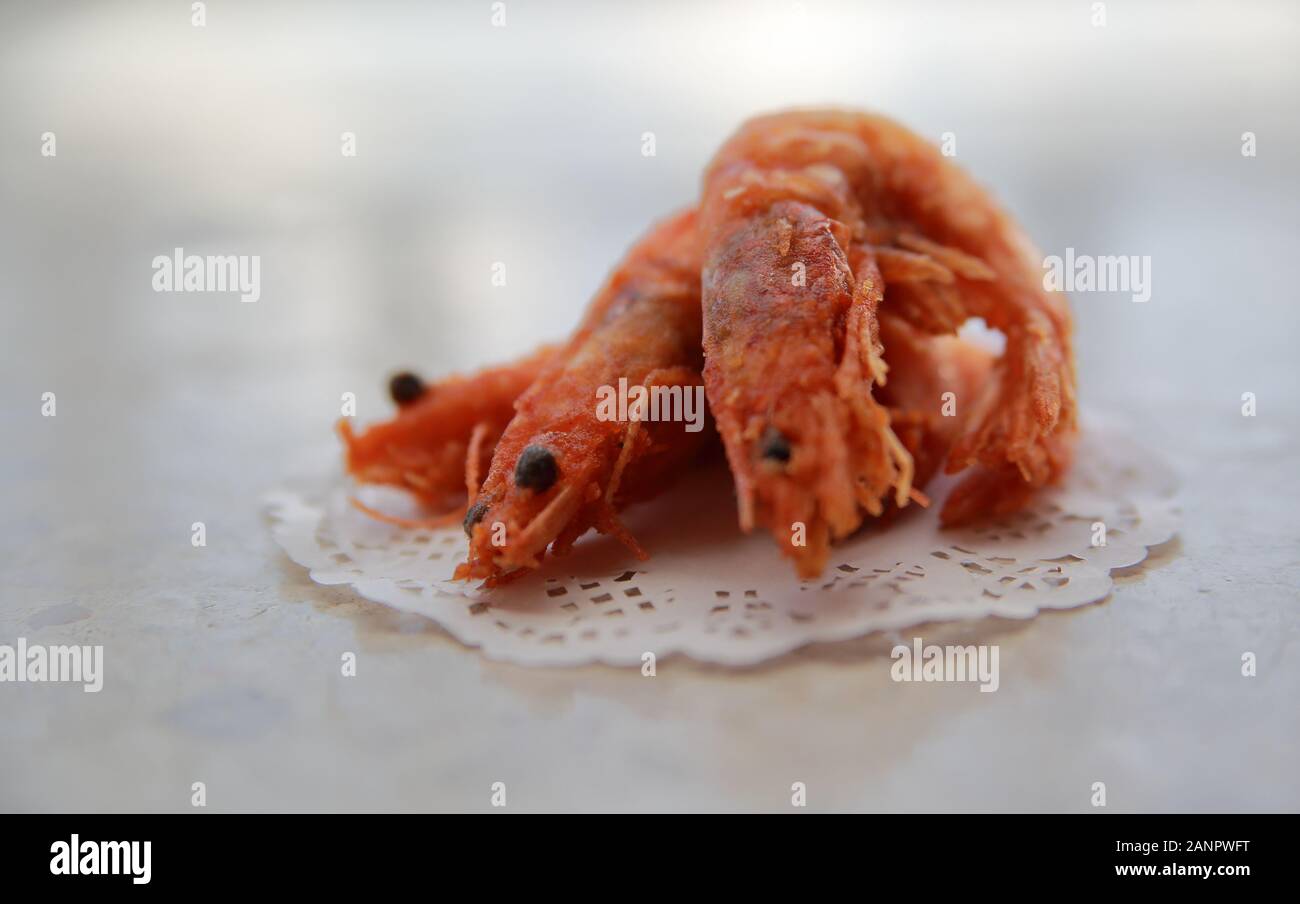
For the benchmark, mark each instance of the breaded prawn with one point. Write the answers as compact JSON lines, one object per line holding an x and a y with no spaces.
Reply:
{"x":561,"y":469}
{"x":792,"y":348}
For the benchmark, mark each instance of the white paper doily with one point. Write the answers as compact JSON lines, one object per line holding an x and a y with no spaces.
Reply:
{"x":714,"y":594}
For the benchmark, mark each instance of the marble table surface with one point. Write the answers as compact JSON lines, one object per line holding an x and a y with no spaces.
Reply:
{"x":474,"y":146}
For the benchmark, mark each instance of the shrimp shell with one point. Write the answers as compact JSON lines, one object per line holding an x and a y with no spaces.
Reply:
{"x":792,"y":349}
{"x":915,"y":199}
{"x":644,"y":326}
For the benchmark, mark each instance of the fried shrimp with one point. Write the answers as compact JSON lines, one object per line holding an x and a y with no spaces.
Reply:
{"x":561,"y":468}
{"x":443,"y":435}
{"x":859,"y":204}
{"x":816,"y":294}
{"x":949,"y":252}
{"x":791,"y":343}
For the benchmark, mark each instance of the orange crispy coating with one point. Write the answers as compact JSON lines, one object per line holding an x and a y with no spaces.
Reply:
{"x":792,"y":346}
{"x":839,"y":252}
{"x":944,"y":251}
{"x":914,"y":199}
{"x":425,"y":447}
{"x":642,"y":326}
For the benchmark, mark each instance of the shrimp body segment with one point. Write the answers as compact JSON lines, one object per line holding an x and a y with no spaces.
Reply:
{"x":561,"y":468}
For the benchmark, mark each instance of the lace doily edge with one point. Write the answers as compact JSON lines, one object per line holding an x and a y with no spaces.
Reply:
{"x":1159,"y":528}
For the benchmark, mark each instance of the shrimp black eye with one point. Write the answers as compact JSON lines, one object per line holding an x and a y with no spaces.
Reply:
{"x":536,"y":469}
{"x":474,"y":516}
{"x":774,"y":446}
{"x":405,"y":388}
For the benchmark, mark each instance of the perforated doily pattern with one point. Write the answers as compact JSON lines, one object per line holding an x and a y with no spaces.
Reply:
{"x":719,"y":596}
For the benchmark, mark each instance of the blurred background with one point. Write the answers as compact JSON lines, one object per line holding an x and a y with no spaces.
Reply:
{"x":522,"y":144}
